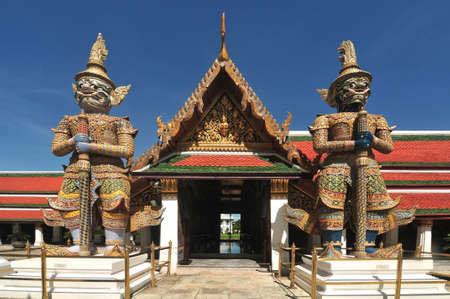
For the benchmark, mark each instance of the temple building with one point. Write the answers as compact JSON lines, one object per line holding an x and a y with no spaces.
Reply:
{"x":224,"y":153}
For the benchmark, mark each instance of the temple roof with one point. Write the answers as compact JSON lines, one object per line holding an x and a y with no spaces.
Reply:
{"x":411,"y":148}
{"x":223,"y":78}
{"x":221,"y":164}
{"x":20,"y":215}
{"x":23,"y":194}
{"x":223,"y":114}
{"x":417,"y":178}
{"x":427,"y":204}
{"x":30,"y":182}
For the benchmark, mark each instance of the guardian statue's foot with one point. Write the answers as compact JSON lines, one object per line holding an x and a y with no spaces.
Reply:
{"x":387,"y":252}
{"x":331,"y":252}
{"x":115,"y":251}
{"x":53,"y":250}
{"x":331,"y":242}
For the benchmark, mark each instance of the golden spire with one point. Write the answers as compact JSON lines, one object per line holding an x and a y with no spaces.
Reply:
{"x":223,"y":55}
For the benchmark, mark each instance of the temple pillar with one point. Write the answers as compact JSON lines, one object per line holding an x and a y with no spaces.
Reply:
{"x":424,"y":236}
{"x":38,"y":234}
{"x":56,"y":234}
{"x":169,"y":225}
{"x":315,"y":241}
{"x":391,"y":237}
{"x":145,"y":236}
{"x":279,"y":227}
{"x":344,"y":241}
{"x":15,"y":228}
{"x":127,"y":238}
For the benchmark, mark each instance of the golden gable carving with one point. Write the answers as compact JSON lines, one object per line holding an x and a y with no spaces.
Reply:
{"x":224,"y":125}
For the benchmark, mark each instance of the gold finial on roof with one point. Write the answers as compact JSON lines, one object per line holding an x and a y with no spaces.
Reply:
{"x":223,"y":55}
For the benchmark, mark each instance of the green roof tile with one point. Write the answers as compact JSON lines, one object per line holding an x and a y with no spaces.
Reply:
{"x":279,"y":166}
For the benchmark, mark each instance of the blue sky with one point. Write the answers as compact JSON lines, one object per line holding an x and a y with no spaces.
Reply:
{"x":285,"y":49}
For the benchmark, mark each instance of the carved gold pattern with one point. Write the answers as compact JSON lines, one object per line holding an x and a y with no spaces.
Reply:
{"x":348,"y":58}
{"x":426,"y":223}
{"x":279,"y":188}
{"x":150,"y":156}
{"x":287,"y":123}
{"x":98,"y":52}
{"x":169,"y":186}
{"x":225,"y":147}
{"x":150,"y":196}
{"x":119,"y":94}
{"x":224,"y":124}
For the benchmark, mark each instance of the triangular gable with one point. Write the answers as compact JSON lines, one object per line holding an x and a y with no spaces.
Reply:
{"x":222,"y":79}
{"x":224,"y":127}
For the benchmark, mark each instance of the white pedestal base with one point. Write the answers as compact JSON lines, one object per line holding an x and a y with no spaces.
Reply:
{"x":5,"y":266}
{"x":355,"y":272}
{"x":99,"y":278}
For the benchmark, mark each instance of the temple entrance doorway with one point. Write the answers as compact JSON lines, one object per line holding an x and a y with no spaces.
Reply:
{"x":225,"y":219}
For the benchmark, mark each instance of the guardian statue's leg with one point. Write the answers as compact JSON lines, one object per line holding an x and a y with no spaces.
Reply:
{"x":75,"y":232}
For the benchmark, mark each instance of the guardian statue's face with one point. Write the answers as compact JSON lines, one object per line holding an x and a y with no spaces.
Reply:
{"x":93,"y":95}
{"x":353,"y":94}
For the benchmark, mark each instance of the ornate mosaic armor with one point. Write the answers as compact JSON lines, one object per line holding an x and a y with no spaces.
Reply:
{"x":96,"y":187}
{"x":334,"y":134}
{"x":112,"y":138}
{"x":349,"y":185}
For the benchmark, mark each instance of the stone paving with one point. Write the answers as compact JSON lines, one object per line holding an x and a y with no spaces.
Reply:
{"x":207,"y":283}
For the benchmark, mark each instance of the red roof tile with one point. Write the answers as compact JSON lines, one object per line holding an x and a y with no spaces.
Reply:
{"x":306,"y":147}
{"x":404,"y":151}
{"x":419,"y":176}
{"x":417,"y":151}
{"x":27,"y":184}
{"x":23,"y":200}
{"x":19,"y":214}
{"x":425,"y":201}
{"x":223,"y":161}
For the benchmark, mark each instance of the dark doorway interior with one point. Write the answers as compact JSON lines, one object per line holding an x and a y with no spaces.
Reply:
{"x":201,"y":204}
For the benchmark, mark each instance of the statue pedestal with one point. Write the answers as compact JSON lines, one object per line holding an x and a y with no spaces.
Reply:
{"x":351,"y":274}
{"x":5,"y":266}
{"x":95,"y":278}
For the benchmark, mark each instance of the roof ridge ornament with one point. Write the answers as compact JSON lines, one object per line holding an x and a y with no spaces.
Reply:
{"x":223,"y":54}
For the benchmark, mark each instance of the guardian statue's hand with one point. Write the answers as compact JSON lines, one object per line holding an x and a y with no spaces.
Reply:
{"x":81,"y":138}
{"x":83,"y":147}
{"x":364,"y":140}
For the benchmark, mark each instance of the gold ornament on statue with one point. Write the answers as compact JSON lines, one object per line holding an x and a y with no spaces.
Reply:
{"x":350,"y":68}
{"x":96,"y":68}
